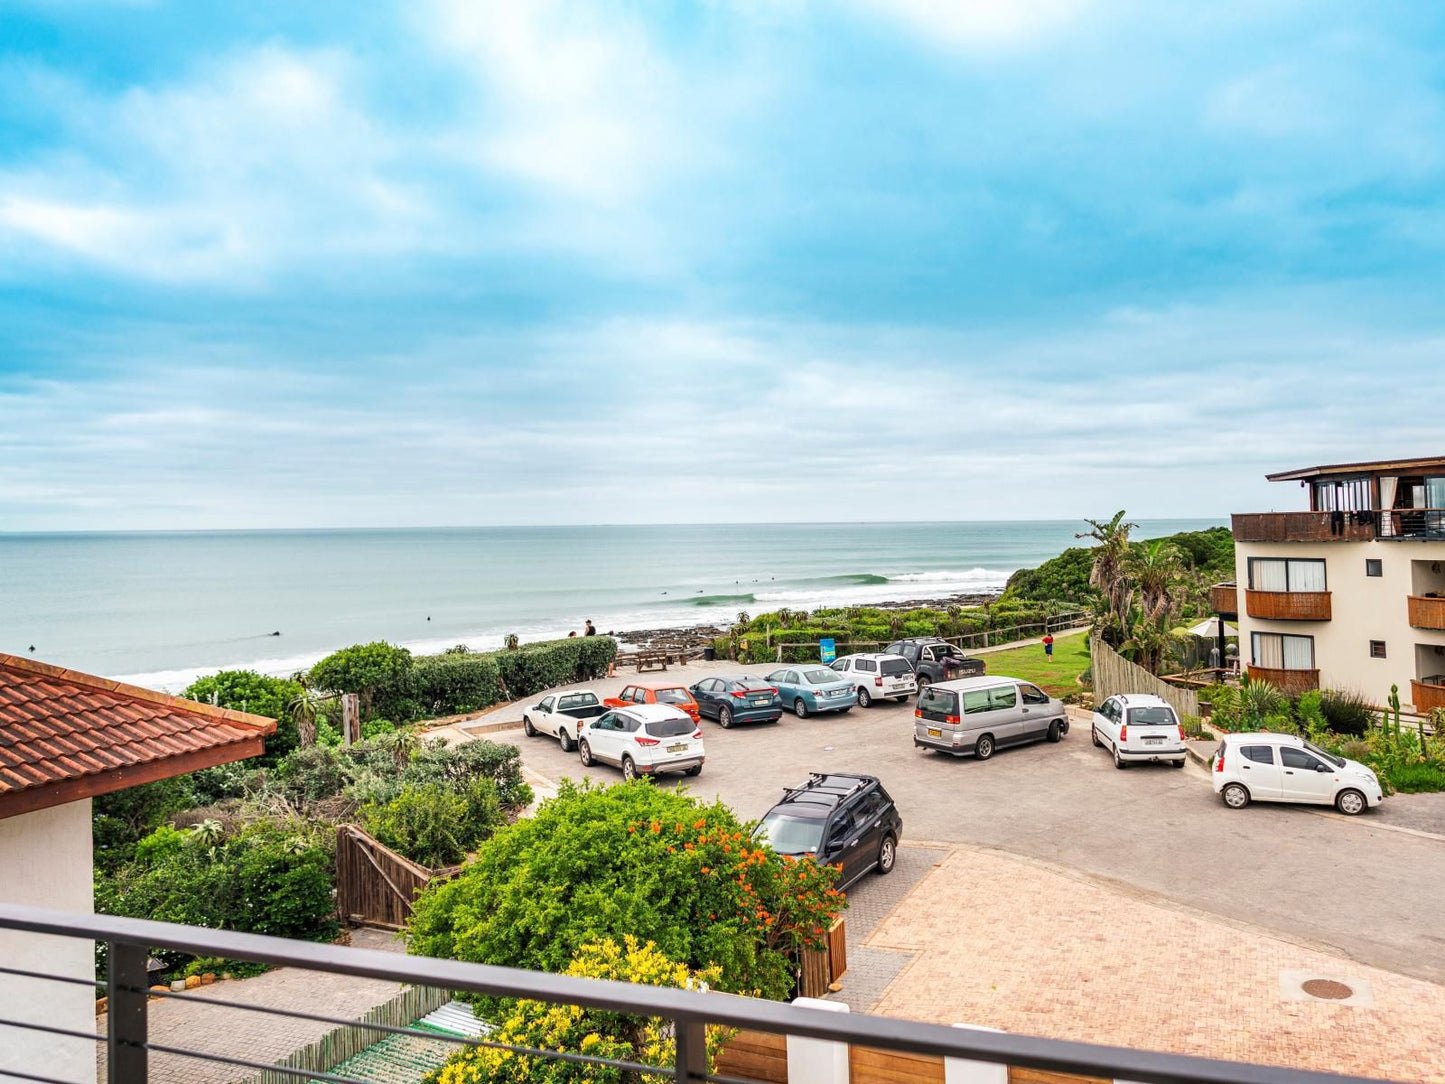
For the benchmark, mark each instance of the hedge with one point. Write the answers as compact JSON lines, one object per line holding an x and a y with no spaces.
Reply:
{"x":453,"y":684}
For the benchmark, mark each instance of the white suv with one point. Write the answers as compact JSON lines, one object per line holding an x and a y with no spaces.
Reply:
{"x":1137,"y":727}
{"x":643,"y":739}
{"x":1286,"y":768}
{"x":878,"y":676}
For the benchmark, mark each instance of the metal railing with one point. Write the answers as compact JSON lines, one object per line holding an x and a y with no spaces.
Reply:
{"x":690,"y":1012}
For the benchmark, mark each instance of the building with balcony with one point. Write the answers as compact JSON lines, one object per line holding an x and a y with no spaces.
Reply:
{"x":1351,"y":593}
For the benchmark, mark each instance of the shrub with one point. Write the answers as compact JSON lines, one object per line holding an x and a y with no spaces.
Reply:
{"x":1346,"y":712}
{"x":119,"y":819}
{"x":246,"y":690}
{"x":630,"y":859}
{"x":433,"y":825}
{"x":364,"y":669}
{"x":1418,"y":777}
{"x":543,"y":1025}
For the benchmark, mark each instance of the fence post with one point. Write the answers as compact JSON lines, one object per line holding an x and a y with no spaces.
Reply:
{"x":817,"y":1061}
{"x":126,"y":991}
{"x":690,"y":1061}
{"x":968,"y":1071}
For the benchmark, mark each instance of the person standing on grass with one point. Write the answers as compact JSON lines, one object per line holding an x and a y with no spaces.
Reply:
{"x":1049,"y":647}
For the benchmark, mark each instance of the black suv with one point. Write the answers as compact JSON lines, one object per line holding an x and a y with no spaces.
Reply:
{"x":933,"y":660}
{"x":846,"y":820}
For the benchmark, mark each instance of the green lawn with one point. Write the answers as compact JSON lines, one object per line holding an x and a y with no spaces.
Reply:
{"x":1056,"y":678}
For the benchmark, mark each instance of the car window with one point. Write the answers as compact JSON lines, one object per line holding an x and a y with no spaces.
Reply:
{"x":1005,"y":696}
{"x":871,"y":805}
{"x":791,"y":835}
{"x":896,"y":648}
{"x":1157,"y":715}
{"x":975,"y":701}
{"x":670,"y":728}
{"x":820,"y":677}
{"x":792,"y":678}
{"x":865,"y":664}
{"x":627,"y":724}
{"x":777,"y":676}
{"x":841,"y":665}
{"x":1298,"y":758}
{"x":604,"y":722}
{"x":938,"y":700}
{"x":753,"y":684}
{"x":577,"y":700}
{"x":1260,"y":754}
{"x":927,"y":654}
{"x":894,"y":667}
{"x":547,"y":702}
{"x":672,"y":696}
{"x":1033,"y":695}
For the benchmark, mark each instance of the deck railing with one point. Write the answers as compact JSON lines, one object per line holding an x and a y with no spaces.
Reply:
{"x":1292,"y":682}
{"x":689,"y":1012}
{"x":1391,"y":524}
{"x":1288,"y":605}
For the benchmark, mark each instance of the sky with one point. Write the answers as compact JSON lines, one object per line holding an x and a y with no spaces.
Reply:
{"x":454,"y":262}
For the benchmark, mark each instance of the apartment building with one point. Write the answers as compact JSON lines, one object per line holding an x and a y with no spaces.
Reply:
{"x":1351,"y":593}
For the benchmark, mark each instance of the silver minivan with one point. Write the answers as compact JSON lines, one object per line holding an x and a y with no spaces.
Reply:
{"x":978,"y":715}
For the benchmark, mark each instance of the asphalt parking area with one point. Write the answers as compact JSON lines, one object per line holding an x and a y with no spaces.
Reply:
{"x":1350,"y":886}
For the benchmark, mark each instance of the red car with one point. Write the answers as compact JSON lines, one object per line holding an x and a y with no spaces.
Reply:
{"x":656,"y":692}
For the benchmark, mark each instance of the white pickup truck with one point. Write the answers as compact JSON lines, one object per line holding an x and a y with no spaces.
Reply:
{"x":562,"y":716}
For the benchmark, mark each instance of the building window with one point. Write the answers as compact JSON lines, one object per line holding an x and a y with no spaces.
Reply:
{"x":1279,"y":574}
{"x":1342,"y":496}
{"x":1377,"y":649}
{"x":1374,"y":566}
{"x":1278,"y":651}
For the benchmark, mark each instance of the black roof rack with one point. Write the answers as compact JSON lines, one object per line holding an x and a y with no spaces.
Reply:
{"x":822,"y":786}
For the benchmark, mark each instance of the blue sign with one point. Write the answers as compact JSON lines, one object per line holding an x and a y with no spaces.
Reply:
{"x":827,"y":651}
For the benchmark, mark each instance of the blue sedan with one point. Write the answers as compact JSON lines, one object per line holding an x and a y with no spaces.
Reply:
{"x":739,"y":699}
{"x":808,"y":689}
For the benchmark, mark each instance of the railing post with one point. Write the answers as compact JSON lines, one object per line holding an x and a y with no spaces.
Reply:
{"x":127,"y":992}
{"x":690,"y":1063}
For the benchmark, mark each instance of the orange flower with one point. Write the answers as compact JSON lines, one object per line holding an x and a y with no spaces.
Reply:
{"x":706,"y":869}
{"x":631,"y":828}
{"x":687,"y":846}
{"x":726,"y":849}
{"x":656,"y":827}
{"x":698,"y":824}
{"x":672,"y":850}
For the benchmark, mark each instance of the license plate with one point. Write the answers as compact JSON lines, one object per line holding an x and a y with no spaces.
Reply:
{"x":934,"y":733}
{"x":1153,"y":741}
{"x":764,"y":702}
{"x":680,"y":747}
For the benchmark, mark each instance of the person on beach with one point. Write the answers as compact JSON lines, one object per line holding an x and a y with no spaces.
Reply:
{"x":589,"y":631}
{"x":1049,"y":646}
{"x":572,"y":635}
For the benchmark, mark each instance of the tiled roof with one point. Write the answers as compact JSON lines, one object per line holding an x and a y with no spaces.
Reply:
{"x":66,"y":735}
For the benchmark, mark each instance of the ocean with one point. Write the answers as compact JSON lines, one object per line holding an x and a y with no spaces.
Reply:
{"x":161,"y":608}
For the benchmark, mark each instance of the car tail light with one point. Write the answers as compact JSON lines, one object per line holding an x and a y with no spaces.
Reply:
{"x":952,"y":719}
{"x":697,"y":733}
{"x":878,"y":681}
{"x":739,"y":694}
{"x":1219,"y":761}
{"x":646,"y":741}
{"x":1181,"y":731}
{"x":1124,"y":732}
{"x":918,"y":713}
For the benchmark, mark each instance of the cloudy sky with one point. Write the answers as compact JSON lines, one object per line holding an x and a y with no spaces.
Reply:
{"x":457,"y":262}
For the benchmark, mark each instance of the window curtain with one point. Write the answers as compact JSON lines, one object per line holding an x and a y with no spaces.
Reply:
{"x":1435,"y":492}
{"x":1307,"y":576}
{"x":1267,"y":650}
{"x":1299,"y":652}
{"x":1268,"y":575}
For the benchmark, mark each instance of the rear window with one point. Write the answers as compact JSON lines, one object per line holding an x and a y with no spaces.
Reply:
{"x":894,"y":667}
{"x":938,"y":700}
{"x":673,"y":696}
{"x":577,"y":700}
{"x":670,"y":728}
{"x":1157,"y":716}
{"x":820,"y":677}
{"x":753,"y":683}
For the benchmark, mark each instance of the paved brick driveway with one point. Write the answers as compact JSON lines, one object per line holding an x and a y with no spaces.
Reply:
{"x":1355,"y":887}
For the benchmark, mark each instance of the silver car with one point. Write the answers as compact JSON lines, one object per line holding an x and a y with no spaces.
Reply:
{"x":979,"y":715}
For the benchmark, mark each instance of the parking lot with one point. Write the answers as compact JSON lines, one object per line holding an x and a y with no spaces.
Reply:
{"x":1359,"y":887}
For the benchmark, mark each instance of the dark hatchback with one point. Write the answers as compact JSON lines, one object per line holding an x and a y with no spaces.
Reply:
{"x":739,"y":699}
{"x":836,"y":819}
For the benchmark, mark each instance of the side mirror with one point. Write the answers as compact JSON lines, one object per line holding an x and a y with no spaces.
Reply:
{"x":1322,"y":768}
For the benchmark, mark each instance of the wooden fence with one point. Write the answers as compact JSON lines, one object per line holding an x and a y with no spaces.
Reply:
{"x":762,"y":1056}
{"x":375,"y":886}
{"x":1115,"y":674}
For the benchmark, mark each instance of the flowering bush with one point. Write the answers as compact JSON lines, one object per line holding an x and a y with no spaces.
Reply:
{"x":572,"y":1029}
{"x":632,"y":859}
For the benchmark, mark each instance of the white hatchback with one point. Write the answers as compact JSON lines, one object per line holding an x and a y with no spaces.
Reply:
{"x":878,"y":676}
{"x":643,"y":739}
{"x":1286,"y":768}
{"x":1137,"y":727}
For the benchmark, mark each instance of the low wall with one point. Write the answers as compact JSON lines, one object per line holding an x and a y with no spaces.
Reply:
{"x":1115,"y":674}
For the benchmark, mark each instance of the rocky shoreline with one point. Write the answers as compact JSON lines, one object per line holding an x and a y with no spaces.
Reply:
{"x":690,"y":637}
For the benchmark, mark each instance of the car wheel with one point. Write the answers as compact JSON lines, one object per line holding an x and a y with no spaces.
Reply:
{"x":924,"y":681}
{"x":1056,"y":732}
{"x":1235,"y":795}
{"x":1351,"y":803}
{"x":1176,"y":763}
{"x":527,"y":727}
{"x":1094,"y":737}
{"x":1119,"y":762}
{"x":695,"y":770}
{"x":629,"y":769}
{"x":565,"y":740}
{"x":800,"y":709}
{"x":584,"y":753}
{"x":725,"y":718}
{"x":983,"y":749}
{"x":864,"y":700}
{"x":887,"y":855}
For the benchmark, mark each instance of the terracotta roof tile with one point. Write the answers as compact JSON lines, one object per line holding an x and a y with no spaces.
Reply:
{"x":58,"y":725}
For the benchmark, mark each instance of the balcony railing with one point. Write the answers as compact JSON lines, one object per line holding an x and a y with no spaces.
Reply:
{"x":1288,"y":605}
{"x":1301,"y":527}
{"x":690,"y":1012}
{"x":1413,"y":524}
{"x":1426,"y":696}
{"x":1292,"y":682}
{"x":1427,"y":612}
{"x":1224,"y":598}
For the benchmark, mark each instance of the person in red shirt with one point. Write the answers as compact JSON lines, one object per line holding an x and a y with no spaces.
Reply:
{"x":1049,"y":646}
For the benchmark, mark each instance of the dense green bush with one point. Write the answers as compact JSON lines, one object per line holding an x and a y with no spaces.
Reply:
{"x":369,"y":670}
{"x":1346,"y":712}
{"x":434,"y":825}
{"x":246,"y":690}
{"x":630,"y":859}
{"x":122,"y":817}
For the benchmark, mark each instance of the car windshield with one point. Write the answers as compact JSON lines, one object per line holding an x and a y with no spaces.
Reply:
{"x":673,"y":696}
{"x":1338,"y":762}
{"x":753,"y":684}
{"x":820,"y":677}
{"x":894,"y":667}
{"x":791,"y":835}
{"x":1160,"y":716}
{"x":670,"y":728}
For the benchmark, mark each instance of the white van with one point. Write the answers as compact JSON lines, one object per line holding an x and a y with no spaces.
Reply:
{"x":978,"y":715}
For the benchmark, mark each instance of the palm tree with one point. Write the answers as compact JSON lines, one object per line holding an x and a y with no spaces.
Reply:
{"x":1110,"y":578}
{"x":304,"y":707}
{"x":1157,"y":570}
{"x":401,"y":744}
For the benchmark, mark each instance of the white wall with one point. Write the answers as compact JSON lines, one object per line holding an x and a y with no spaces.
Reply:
{"x":45,"y":861}
{"x":1364,"y":608}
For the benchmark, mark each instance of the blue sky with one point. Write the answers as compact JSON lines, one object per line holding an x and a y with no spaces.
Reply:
{"x":457,"y":262}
